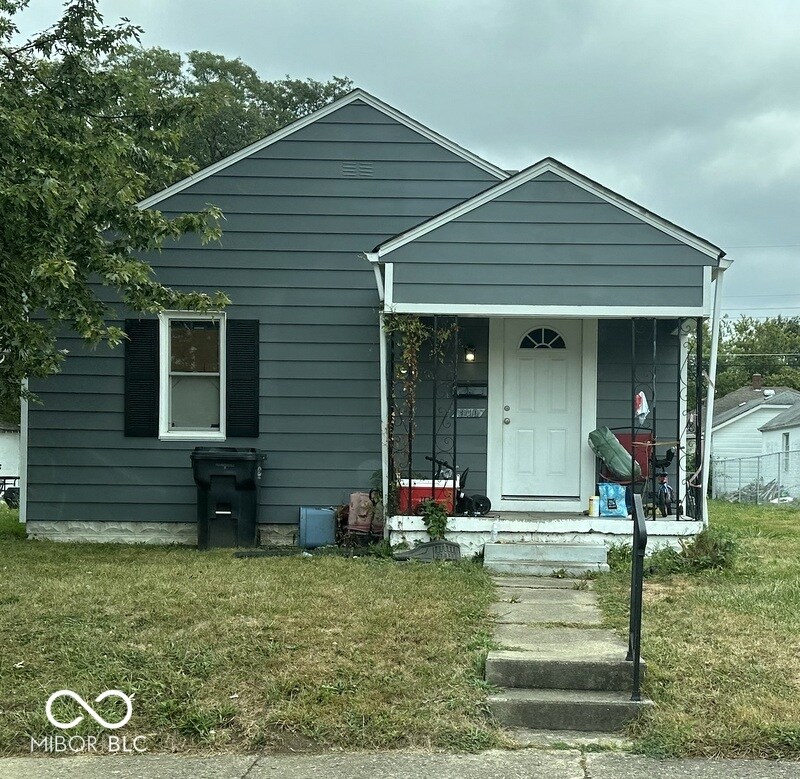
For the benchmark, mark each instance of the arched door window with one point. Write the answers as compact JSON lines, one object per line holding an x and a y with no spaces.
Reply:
{"x":542,"y":338}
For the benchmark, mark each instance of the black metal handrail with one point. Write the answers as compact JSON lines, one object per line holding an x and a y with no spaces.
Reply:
{"x":637,"y":580}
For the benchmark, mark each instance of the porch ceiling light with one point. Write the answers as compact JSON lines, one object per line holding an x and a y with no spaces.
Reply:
{"x":469,"y":354}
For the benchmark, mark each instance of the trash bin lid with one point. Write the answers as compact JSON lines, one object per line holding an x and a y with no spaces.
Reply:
{"x":226,"y":453}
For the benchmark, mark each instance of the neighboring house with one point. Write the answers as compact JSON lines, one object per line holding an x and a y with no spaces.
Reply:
{"x":740,"y":415}
{"x":545,"y":269}
{"x":782,"y":433}
{"x":9,"y":449}
{"x":739,"y":419}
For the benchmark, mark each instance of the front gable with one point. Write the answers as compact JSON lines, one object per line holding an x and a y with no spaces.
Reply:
{"x":549,"y":237}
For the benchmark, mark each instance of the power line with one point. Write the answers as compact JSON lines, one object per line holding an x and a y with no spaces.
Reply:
{"x":766,"y":246}
{"x":765,"y":295}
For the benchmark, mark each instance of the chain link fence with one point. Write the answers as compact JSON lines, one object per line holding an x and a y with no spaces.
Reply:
{"x":759,"y":479}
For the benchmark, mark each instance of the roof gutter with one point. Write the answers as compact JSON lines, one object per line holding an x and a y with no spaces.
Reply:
{"x":724,"y":264}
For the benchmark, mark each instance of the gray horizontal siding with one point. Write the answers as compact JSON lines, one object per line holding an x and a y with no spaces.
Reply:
{"x":294,"y":230}
{"x":289,"y":186}
{"x":477,"y":291}
{"x":539,"y":245}
{"x":556,"y":254}
{"x":383,"y":169}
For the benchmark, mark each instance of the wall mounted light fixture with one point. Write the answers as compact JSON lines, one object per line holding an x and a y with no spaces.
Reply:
{"x":469,"y":354}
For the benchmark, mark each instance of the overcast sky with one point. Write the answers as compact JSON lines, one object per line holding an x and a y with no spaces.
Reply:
{"x":692,"y":109}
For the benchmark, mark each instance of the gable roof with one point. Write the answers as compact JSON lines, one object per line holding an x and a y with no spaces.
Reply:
{"x":744,"y":395}
{"x":551,"y":165}
{"x":786,"y":398}
{"x":299,"y":124}
{"x":788,"y":418}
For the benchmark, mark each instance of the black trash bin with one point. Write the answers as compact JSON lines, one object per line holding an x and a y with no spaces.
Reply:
{"x":227,"y":495}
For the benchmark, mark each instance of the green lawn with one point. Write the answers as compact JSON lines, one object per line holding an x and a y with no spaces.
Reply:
{"x":723,"y":647}
{"x":227,"y":654}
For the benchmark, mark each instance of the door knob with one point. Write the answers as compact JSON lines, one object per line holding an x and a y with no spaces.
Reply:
{"x":506,"y":421}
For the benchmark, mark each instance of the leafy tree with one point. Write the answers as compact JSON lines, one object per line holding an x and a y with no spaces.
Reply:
{"x":233,"y":106}
{"x":770,"y":347}
{"x":75,"y":137}
{"x":90,"y":124}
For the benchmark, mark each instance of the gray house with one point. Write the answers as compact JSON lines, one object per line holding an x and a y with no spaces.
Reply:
{"x":569,"y":298}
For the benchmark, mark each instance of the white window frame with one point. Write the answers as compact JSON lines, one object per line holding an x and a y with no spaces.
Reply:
{"x":164,"y":433}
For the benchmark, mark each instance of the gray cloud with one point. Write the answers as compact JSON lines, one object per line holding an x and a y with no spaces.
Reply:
{"x":691,"y":109}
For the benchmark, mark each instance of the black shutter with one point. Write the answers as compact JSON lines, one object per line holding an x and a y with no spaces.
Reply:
{"x":242,"y":378}
{"x":141,"y":378}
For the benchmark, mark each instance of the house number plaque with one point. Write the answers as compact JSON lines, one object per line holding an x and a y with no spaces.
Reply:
{"x":472,"y":413}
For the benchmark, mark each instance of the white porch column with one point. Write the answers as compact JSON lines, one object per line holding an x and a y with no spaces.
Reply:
{"x":712,"y":378}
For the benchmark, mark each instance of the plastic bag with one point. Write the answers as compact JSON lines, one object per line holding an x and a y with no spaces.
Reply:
{"x":612,"y":500}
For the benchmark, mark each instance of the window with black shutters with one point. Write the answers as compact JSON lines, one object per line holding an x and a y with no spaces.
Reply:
{"x":192,"y":377}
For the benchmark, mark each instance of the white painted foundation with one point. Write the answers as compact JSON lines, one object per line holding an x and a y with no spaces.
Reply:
{"x":471,"y":533}
{"x":182,"y":533}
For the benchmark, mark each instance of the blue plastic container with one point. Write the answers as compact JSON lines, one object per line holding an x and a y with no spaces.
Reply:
{"x":317,"y":526}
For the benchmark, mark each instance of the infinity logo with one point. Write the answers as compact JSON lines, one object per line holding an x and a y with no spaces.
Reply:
{"x":88,"y":709}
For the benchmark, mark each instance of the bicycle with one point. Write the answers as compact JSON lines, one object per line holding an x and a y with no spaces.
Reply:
{"x":664,"y":497}
{"x":9,"y":491}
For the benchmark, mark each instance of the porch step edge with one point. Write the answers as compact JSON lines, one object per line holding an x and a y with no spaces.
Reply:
{"x":525,"y":670}
{"x":557,"y":709}
{"x":535,"y":552}
{"x":543,"y":567}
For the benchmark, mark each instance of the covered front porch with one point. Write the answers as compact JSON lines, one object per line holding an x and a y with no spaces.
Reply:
{"x":519,"y":321}
{"x":511,"y":401}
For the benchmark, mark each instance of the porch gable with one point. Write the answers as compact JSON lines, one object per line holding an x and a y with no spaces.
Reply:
{"x":548,"y":241}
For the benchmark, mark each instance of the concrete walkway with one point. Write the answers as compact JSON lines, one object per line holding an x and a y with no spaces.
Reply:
{"x":565,"y":764}
{"x":557,"y":669}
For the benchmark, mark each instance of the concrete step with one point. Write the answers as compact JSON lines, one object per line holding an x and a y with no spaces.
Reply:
{"x":584,"y":710}
{"x":569,"y":739}
{"x":547,"y":606}
{"x":531,"y":553}
{"x":543,"y":567}
{"x":520,"y":669}
{"x":538,"y":583}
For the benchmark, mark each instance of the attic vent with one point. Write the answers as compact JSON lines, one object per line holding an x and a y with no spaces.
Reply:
{"x":357,"y":170}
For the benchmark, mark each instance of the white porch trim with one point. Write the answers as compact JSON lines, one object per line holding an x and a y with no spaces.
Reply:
{"x":494,"y":436}
{"x":388,"y":287}
{"x":565,"y":312}
{"x":683,"y":412}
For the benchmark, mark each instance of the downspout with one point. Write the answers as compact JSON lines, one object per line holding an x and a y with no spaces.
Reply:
{"x":724,"y":264}
{"x":384,"y":389}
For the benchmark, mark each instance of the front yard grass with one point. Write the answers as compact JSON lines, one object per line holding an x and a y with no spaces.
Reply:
{"x":260,"y":654}
{"x":723,"y":647}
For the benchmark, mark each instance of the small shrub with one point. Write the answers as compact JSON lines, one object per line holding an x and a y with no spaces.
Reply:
{"x":664,"y":561}
{"x":434,"y":515}
{"x":711,"y":549}
{"x":619,"y":557}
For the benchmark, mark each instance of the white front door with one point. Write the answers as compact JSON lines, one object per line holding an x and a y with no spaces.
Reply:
{"x":541,"y":438}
